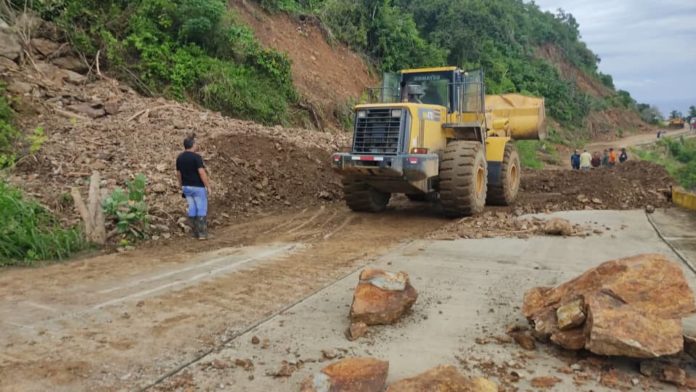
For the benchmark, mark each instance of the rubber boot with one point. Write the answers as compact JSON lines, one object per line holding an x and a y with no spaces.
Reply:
{"x":193,"y":222}
{"x":202,"y":227}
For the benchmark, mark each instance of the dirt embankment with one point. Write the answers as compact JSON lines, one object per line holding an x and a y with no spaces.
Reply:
{"x":633,"y":184}
{"x":328,"y":75}
{"x":104,"y":126}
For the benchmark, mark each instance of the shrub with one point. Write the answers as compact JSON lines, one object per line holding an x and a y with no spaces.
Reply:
{"x":29,"y":232}
{"x":8,"y":132}
{"x":127,"y":209}
{"x":176,"y":48}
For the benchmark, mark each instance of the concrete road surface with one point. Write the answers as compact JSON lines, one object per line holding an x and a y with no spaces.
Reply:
{"x":470,"y":291}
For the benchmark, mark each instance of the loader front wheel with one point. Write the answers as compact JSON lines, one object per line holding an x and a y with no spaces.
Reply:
{"x":361,"y":197}
{"x":463,"y":178}
{"x":505,"y":193}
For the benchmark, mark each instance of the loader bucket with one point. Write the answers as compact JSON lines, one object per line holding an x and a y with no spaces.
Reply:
{"x":524,"y":116}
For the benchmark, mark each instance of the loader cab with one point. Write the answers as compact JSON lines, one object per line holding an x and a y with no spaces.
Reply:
{"x":431,"y":86}
{"x":458,"y":91}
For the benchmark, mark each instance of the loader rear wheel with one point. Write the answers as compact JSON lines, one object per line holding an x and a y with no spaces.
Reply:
{"x":417,"y":197}
{"x":505,"y":193}
{"x":361,"y":197}
{"x":463,"y":178}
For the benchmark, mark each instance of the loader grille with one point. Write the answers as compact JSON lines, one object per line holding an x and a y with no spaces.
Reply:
{"x":377,"y":131}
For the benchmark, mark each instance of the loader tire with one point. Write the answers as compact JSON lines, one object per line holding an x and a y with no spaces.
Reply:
{"x":505,"y":193}
{"x":361,"y":197}
{"x":463,"y":178}
{"x":420,"y":197}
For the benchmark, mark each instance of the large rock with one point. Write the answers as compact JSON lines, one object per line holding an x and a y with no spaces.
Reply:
{"x":90,"y":110}
{"x":9,"y":44}
{"x":558,"y":226}
{"x":633,"y":308}
{"x":45,"y":47}
{"x":443,"y":379}
{"x":381,"y":297}
{"x":70,"y":62}
{"x":617,"y":328}
{"x":347,"y":375}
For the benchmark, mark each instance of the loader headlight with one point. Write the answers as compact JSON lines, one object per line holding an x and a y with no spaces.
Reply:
{"x":362,"y":114}
{"x":396,"y":113}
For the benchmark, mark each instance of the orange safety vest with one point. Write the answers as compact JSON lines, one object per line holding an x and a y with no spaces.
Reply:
{"x":612,"y":157}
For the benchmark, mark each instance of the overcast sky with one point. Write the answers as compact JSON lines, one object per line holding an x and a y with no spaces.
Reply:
{"x":648,"y":46}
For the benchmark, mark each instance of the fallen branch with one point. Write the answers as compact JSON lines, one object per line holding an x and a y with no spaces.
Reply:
{"x":70,"y":115}
{"x":150,"y":110}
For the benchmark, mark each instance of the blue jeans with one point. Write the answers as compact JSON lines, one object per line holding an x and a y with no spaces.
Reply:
{"x":197,"y":198}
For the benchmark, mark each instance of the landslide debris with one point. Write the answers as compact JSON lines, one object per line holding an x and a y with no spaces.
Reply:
{"x":629,"y":307}
{"x":630,"y":185}
{"x":92,"y":123}
{"x":504,"y":224}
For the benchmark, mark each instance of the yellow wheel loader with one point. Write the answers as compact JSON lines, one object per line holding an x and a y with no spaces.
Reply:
{"x":434,"y":135}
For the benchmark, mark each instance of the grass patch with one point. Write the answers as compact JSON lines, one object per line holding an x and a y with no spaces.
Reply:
{"x":29,"y":232}
{"x":528,"y":150}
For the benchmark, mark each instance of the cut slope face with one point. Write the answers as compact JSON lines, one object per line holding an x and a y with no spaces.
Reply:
{"x":603,"y":124}
{"x":328,"y":76}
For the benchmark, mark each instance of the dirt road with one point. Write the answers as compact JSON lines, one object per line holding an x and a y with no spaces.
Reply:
{"x":122,"y":321}
{"x":639,"y":139}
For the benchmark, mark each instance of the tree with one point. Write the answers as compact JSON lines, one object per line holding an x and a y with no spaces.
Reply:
{"x":675,"y":114}
{"x":692,"y":111}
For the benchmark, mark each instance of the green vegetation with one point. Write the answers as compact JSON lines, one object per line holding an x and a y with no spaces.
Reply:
{"x":678,"y":156}
{"x":504,"y":37}
{"x":8,"y":132}
{"x":127,"y":209}
{"x":195,"y":49}
{"x":29,"y":232}
{"x":528,"y":150}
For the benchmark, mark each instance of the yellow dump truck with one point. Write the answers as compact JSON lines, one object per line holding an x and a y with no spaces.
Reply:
{"x":676,"y":123}
{"x":434,"y":135}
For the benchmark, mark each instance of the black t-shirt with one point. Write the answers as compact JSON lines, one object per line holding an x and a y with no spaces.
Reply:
{"x":188,"y":164}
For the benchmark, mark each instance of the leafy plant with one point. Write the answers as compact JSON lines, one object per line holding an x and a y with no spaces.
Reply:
{"x":182,"y":49}
{"x":128,"y":210}
{"x":29,"y":232}
{"x":9,"y":134}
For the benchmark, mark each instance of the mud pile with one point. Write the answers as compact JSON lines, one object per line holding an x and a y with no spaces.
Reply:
{"x":631,"y":185}
{"x":93,"y":123}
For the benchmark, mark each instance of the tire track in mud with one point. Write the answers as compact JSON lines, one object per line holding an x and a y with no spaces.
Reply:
{"x":131,"y":343}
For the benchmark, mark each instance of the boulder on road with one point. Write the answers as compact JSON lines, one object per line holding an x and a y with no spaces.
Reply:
{"x":347,"y":375}
{"x":558,"y":226}
{"x":443,"y":378}
{"x":617,"y":328}
{"x":381,"y":297}
{"x":633,"y":308}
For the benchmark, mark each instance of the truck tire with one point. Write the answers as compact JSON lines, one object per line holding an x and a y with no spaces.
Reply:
{"x":463,"y":178}
{"x":505,"y":193}
{"x":361,"y":197}
{"x":417,"y":197}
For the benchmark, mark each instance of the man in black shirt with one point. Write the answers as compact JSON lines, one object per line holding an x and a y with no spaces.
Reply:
{"x":195,"y":187}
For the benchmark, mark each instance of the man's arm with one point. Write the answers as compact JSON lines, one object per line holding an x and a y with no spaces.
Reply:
{"x":204,"y":178}
{"x":178,"y":177}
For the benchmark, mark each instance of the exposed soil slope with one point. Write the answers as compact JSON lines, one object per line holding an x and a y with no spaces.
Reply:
{"x":254,"y":168}
{"x":329,"y":76}
{"x":600,"y":125}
